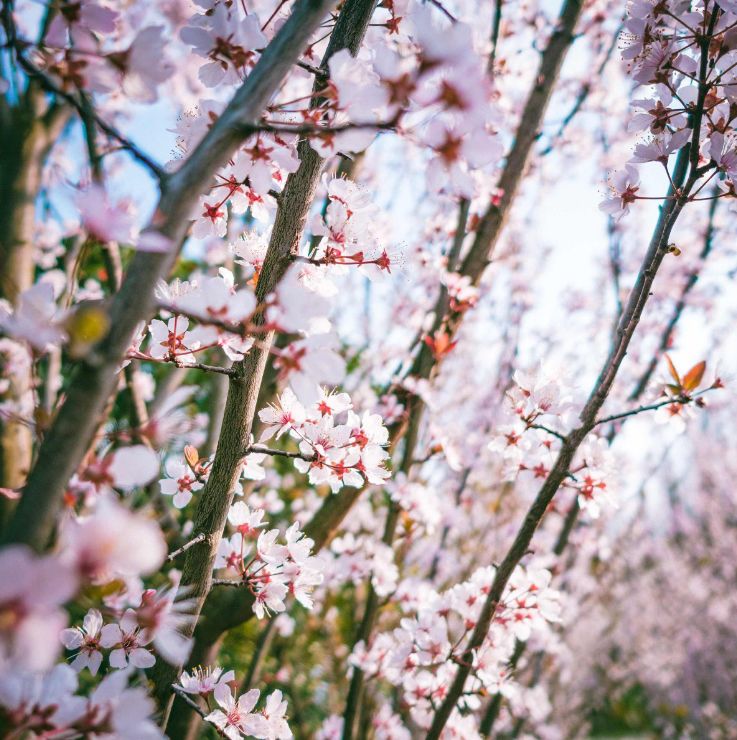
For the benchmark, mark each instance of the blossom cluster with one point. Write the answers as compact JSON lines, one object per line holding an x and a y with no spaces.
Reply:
{"x":50,"y":705}
{"x":272,"y":570}
{"x":664,"y":49}
{"x":350,"y":453}
{"x":235,"y":716}
{"x":418,"y":657}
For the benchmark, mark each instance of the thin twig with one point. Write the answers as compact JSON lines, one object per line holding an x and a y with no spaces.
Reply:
{"x":583,"y":93}
{"x":279,"y":453}
{"x":678,"y":309}
{"x":240,"y":330}
{"x":444,"y":11}
{"x":50,"y":86}
{"x":187,"y":699}
{"x":543,"y":428}
{"x":306,"y":129}
{"x":195,"y":707}
{"x":195,"y":540}
{"x":232,"y":582}
{"x":640,"y":409}
{"x":207,"y":368}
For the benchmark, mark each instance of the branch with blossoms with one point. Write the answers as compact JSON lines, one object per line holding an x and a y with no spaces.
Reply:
{"x":680,"y":391}
{"x":680,"y":305}
{"x":84,"y":110}
{"x":71,"y":433}
{"x":301,"y":129}
{"x":260,"y":449}
{"x":666,"y":402}
{"x":684,"y":179}
{"x":332,"y":512}
{"x":193,"y":705}
{"x":232,"y":717}
{"x":238,"y":408}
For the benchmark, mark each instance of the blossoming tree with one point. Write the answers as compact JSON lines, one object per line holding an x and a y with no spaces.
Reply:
{"x":354,"y":368}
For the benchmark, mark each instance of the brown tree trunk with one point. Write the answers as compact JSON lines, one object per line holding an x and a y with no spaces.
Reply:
{"x":27,"y":133}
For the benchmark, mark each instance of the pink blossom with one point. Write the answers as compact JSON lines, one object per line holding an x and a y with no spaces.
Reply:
{"x":112,"y":541}
{"x":623,"y":186}
{"x":204,"y":681}
{"x":105,"y":221}
{"x":32,"y":591}
{"x":36,"y":318}
{"x":85,"y":640}
{"x":234,"y":718}
{"x":181,"y":483}
{"x":128,"y":642}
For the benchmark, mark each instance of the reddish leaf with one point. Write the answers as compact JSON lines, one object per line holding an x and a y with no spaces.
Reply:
{"x":692,"y":378}
{"x":192,"y":456}
{"x":673,"y":371}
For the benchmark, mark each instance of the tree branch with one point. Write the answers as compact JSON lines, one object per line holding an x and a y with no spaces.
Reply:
{"x":73,"y":430}
{"x":226,"y":611}
{"x":678,"y":309}
{"x":641,"y":409}
{"x":195,"y":707}
{"x":329,"y":516}
{"x":87,"y":111}
{"x":658,"y":248}
{"x":240,"y":407}
{"x":355,"y":696}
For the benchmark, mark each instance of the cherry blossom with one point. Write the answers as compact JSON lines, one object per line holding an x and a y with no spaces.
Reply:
{"x":80,"y":18}
{"x":86,"y":640}
{"x":36,"y":319}
{"x":288,"y":415}
{"x":204,"y":681}
{"x":164,"y":616}
{"x":307,"y":363}
{"x":234,"y":718}
{"x":314,"y":335}
{"x":624,"y":186}
{"x":32,"y":593}
{"x":125,"y":712}
{"x":127,"y":642}
{"x":181,"y":483}
{"x":105,"y":221}
{"x":98,"y":545}
{"x":227,"y":41}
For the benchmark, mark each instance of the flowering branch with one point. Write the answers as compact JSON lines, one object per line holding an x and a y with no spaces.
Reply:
{"x":243,"y":391}
{"x":302,"y":129}
{"x":195,"y":707}
{"x":206,"y":368}
{"x":641,"y":409}
{"x":658,"y":249}
{"x":87,"y":111}
{"x":333,"y":510}
{"x":69,"y":437}
{"x":691,"y":280}
{"x":185,"y":697}
{"x":354,"y":700}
